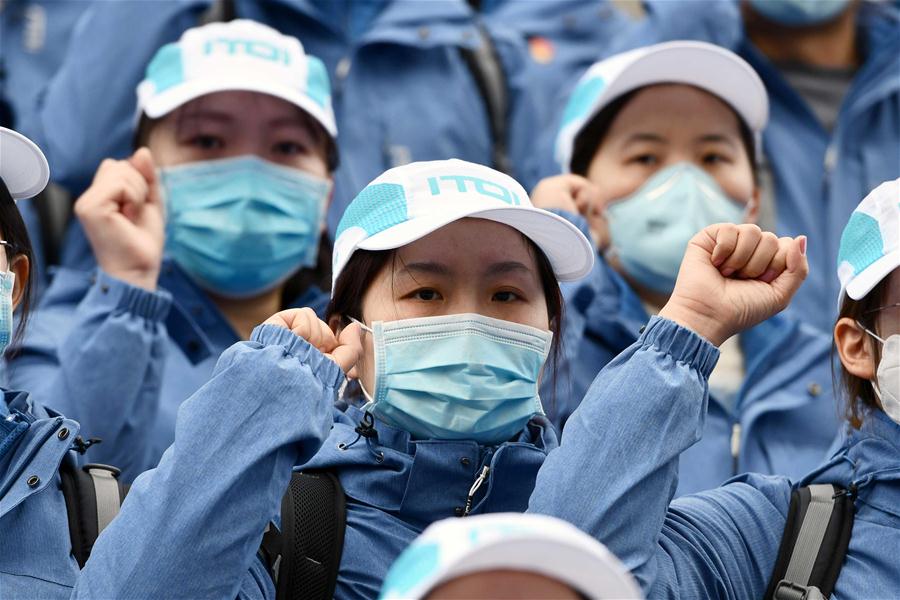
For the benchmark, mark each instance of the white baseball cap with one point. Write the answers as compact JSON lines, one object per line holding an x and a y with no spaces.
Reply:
{"x":407,"y":203}
{"x":706,"y":66}
{"x":870,"y":243}
{"x":23,"y":167}
{"x":533,"y":543}
{"x":237,"y":55}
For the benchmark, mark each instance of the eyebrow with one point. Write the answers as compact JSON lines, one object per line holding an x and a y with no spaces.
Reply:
{"x":426,"y":268}
{"x":717,"y":138}
{"x":645,"y":137}
{"x":503,"y":268}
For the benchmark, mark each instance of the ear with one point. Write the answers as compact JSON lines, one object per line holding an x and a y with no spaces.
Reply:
{"x":22,"y":268}
{"x":752,"y":213}
{"x":855,"y":347}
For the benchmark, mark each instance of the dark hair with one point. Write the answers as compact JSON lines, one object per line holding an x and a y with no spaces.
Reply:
{"x":362,"y":268}
{"x":591,"y":136}
{"x":19,"y":244}
{"x":858,"y":393}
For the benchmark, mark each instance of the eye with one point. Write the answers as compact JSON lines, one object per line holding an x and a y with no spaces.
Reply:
{"x":287,"y":148}
{"x":207,"y":142}
{"x":506,"y":296}
{"x":425,"y":295}
{"x":648,"y":160}
{"x":714,"y":158}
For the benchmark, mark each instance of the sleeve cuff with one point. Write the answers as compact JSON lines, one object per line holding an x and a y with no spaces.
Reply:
{"x":681,"y":344}
{"x":118,"y":295}
{"x":322,"y":367}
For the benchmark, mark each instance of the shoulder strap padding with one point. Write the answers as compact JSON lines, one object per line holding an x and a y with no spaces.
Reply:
{"x":313,"y":519}
{"x":814,"y":544}
{"x":93,"y":496}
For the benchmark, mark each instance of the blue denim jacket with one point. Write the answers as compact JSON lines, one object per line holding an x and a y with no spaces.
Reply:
{"x":182,"y":531}
{"x":121,"y":360}
{"x":785,"y":417}
{"x":645,"y":409}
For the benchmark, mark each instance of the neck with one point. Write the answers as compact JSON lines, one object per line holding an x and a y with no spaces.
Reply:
{"x":829,"y":45}
{"x":646,"y":295}
{"x":246,"y":313}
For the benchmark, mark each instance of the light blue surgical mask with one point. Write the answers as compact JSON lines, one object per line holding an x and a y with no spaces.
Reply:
{"x":240,"y":226}
{"x":457,"y":377}
{"x":7,"y":283}
{"x":799,"y":12}
{"x":650,"y":229}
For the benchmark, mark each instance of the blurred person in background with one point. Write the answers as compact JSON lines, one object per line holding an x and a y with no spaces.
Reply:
{"x":214,"y":223}
{"x":657,"y":144}
{"x":830,"y":68}
{"x":412,"y":81}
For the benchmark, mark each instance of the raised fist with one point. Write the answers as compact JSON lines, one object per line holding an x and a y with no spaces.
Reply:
{"x":575,"y":194}
{"x":123,"y":217}
{"x":344,"y":349}
{"x":733,"y":277}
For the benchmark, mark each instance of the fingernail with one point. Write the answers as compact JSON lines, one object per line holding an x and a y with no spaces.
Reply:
{"x":803,"y":245}
{"x":726,"y":272}
{"x":768,"y":276}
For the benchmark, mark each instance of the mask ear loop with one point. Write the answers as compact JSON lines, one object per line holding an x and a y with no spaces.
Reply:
{"x":366,"y":427}
{"x":877,"y":337}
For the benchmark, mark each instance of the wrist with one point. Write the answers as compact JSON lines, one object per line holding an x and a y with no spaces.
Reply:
{"x":146,"y":279}
{"x":709,"y":328}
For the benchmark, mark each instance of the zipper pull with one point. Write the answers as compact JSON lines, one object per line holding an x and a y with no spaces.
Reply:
{"x":735,"y":447}
{"x":474,"y":489}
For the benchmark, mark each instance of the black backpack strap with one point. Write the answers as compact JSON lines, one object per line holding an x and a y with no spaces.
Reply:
{"x":304,"y":557}
{"x":93,"y":496}
{"x":218,"y":11}
{"x":814,"y":544}
{"x":487,"y":69}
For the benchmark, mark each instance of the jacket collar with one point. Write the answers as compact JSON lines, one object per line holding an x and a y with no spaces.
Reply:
{"x":421,"y":481}
{"x":869,"y":461}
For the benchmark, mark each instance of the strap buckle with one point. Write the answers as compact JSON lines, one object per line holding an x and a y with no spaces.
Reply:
{"x":101,"y":467}
{"x":788,"y":590}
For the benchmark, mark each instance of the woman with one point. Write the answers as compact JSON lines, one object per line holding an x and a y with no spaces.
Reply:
{"x":723,"y":543}
{"x":659,"y":143}
{"x":36,"y":548}
{"x":210,"y":227}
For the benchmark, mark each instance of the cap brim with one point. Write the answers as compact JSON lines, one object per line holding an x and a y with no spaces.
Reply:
{"x":162,"y":104}
{"x":570,"y":254}
{"x":710,"y":68}
{"x":23,"y":167}
{"x":872,"y":275}
{"x":601,"y":576}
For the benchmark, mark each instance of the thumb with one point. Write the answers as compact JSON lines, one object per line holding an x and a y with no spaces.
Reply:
{"x":142,"y":161}
{"x":349,"y":348}
{"x":797,"y":269}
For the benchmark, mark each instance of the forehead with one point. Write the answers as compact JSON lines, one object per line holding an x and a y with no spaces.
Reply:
{"x":471,"y":243}
{"x":675,"y":108}
{"x":240,"y":106}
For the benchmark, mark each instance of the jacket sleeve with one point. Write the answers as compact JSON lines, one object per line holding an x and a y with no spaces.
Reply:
{"x":619,"y":458}
{"x":191,"y":527}
{"x":105,"y":372}
{"x":85,"y":113}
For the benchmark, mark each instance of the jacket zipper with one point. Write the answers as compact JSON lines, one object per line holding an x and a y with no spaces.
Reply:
{"x":479,"y":481}
{"x":735,"y":447}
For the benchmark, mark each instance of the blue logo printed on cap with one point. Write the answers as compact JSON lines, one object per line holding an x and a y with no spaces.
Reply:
{"x":491,"y":189}
{"x":254,"y":48}
{"x":582,"y":99}
{"x":413,"y":566}
{"x":378,"y":207}
{"x":317,"y":86}
{"x":861,"y":242}
{"x":166,"y":69}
